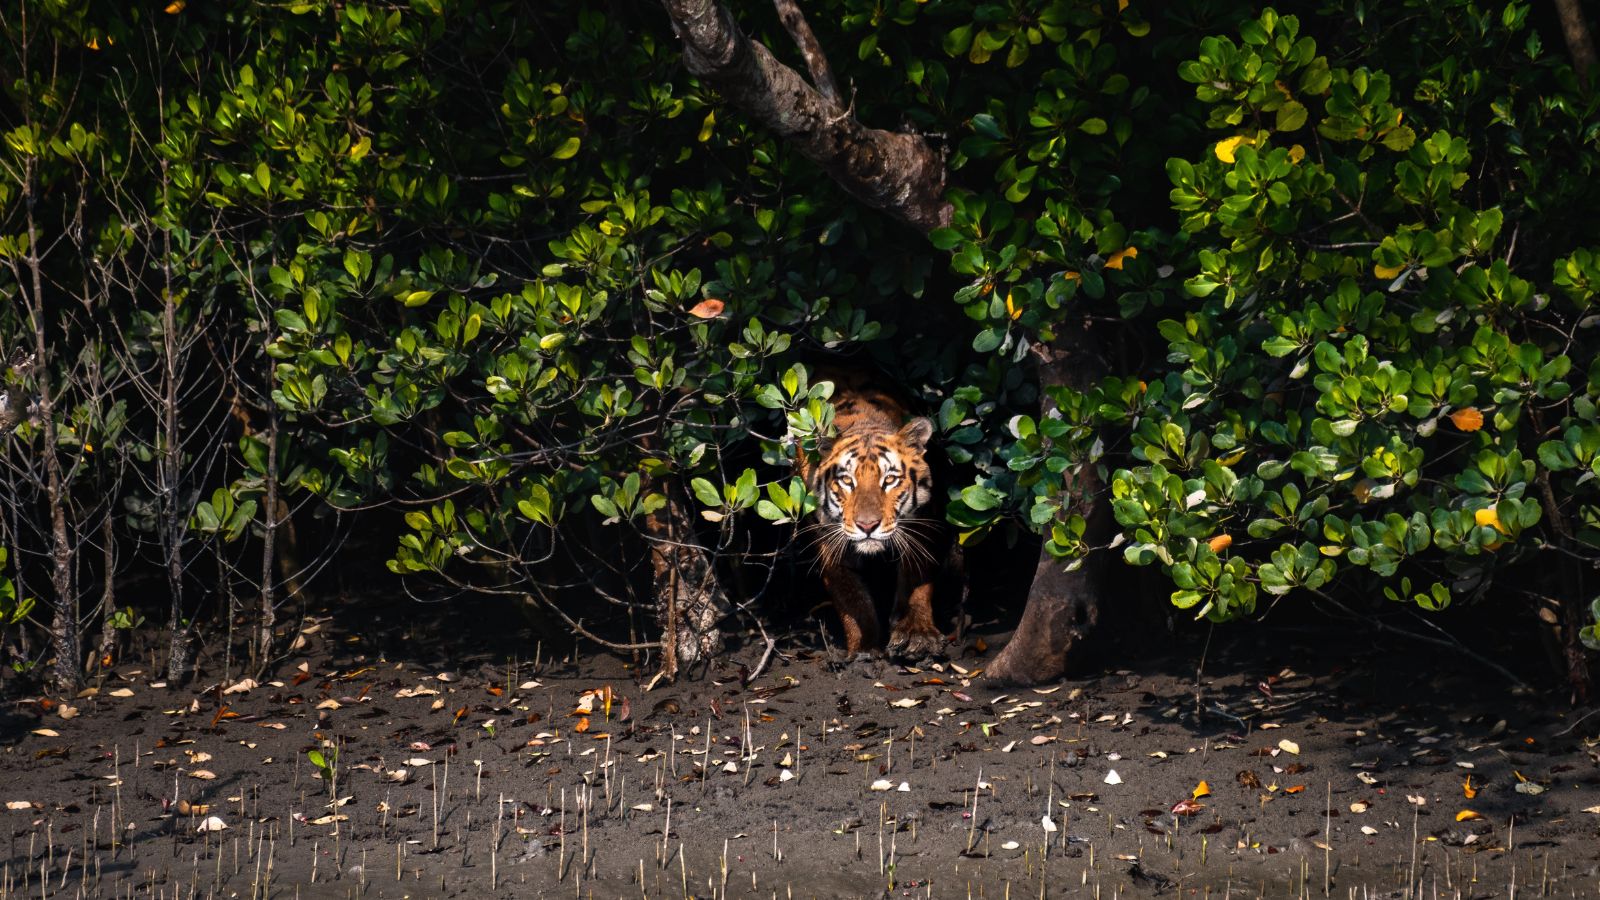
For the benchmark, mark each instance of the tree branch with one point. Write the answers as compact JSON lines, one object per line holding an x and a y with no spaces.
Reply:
{"x":1580,"y":44}
{"x":817,"y":61}
{"x":894,"y":172}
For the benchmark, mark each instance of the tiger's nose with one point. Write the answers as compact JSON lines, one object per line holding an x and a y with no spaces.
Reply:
{"x":868,"y":522}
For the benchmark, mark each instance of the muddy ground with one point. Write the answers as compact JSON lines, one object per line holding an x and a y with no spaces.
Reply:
{"x":1258,"y":761}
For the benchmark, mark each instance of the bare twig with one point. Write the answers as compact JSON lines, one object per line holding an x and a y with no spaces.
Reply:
{"x":761,"y":666}
{"x":1446,"y":641}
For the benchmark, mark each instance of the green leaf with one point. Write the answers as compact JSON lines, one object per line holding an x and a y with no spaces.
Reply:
{"x":707,"y":493}
{"x":1291,"y":116}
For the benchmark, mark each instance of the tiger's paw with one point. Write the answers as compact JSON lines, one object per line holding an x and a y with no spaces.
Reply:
{"x":864,"y":663}
{"x":907,"y":642}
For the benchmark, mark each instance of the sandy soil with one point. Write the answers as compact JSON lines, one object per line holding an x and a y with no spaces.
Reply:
{"x":1292,"y":763}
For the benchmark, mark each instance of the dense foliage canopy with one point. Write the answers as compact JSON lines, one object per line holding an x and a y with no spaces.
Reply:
{"x":497,"y":285}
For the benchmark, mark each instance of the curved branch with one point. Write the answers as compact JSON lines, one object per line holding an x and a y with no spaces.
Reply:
{"x":891,"y":171}
{"x":800,"y":31}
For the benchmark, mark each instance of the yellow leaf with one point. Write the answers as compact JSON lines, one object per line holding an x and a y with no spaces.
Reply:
{"x":1202,"y":790}
{"x":1467,"y":418}
{"x":1226,"y":149}
{"x":1115,"y":262}
{"x":1489,"y":517}
{"x":1296,"y":153}
{"x":94,"y":43}
{"x":568,"y":148}
{"x":1386,"y":271}
{"x":1012,"y":309}
{"x":1071,"y":276}
{"x":1520,"y":777}
{"x":175,"y":7}
{"x":1122,"y":5}
{"x":1218,"y":544}
{"x":1468,"y":789}
{"x":1467,"y":815}
{"x":707,"y":125}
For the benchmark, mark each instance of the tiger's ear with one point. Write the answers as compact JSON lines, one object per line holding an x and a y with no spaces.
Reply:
{"x":917,"y":432}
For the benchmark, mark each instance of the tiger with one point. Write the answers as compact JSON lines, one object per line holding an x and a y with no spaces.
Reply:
{"x":874,"y":491}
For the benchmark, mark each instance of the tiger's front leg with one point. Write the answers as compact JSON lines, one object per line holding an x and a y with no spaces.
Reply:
{"x":913,"y":634}
{"x":854,"y":606}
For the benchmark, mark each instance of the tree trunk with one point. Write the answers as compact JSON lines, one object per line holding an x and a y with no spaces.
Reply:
{"x":174,"y":521}
{"x":1063,"y":604}
{"x":690,"y":600}
{"x":64,"y":620}
{"x":1564,"y":610}
{"x":261,"y":647}
{"x":1580,"y":42}
{"x":105,"y":652}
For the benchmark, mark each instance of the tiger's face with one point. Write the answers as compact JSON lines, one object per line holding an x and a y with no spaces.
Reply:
{"x":870,"y":487}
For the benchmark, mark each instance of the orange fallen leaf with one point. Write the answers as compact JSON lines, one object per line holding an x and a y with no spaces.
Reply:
{"x":1468,"y":418}
{"x":1467,"y":815}
{"x":175,"y":7}
{"x":980,"y":645}
{"x":708,"y":308}
{"x":582,"y":726}
{"x":496,"y":691}
{"x":1201,"y":790}
{"x":1468,"y":789}
{"x":459,"y":714}
{"x":1294,"y":790}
